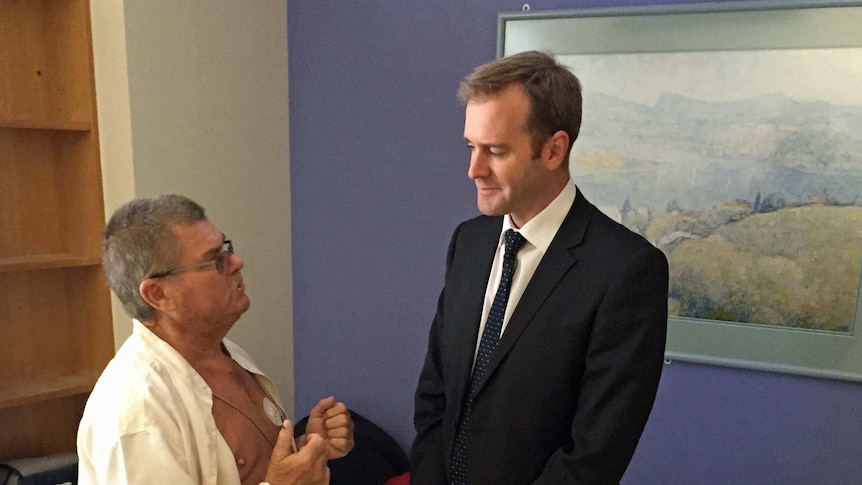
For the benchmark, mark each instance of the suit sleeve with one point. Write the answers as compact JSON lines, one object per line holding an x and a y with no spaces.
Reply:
{"x":623,"y":365}
{"x":430,"y":402}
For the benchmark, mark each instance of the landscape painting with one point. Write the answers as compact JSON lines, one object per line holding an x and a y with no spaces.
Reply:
{"x":744,"y":167}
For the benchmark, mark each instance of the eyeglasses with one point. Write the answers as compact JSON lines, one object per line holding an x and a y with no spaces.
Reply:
{"x":220,"y":261}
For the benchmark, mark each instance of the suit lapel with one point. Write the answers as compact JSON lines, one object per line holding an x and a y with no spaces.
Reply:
{"x":555,"y":264}
{"x":469,"y":291}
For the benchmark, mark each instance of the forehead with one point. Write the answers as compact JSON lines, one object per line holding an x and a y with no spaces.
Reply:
{"x":198,"y":237}
{"x":503,"y":114}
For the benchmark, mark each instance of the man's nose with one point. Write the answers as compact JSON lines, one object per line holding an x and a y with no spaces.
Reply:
{"x":235,"y":263}
{"x":478,"y":166}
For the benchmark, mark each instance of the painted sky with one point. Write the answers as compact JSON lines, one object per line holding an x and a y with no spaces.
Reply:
{"x":833,"y":75}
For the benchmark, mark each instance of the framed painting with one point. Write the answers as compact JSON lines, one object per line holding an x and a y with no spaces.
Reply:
{"x":730,"y":136}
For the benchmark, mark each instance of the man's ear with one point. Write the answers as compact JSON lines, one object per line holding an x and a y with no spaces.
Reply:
{"x":555,"y":150}
{"x":153,"y":292}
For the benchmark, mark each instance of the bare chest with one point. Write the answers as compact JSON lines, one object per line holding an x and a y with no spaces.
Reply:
{"x":242,"y":419}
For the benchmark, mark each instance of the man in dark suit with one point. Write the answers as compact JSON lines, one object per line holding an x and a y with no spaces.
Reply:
{"x":548,"y":373}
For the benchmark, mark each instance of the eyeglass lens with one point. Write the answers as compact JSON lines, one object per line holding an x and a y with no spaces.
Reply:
{"x":223,"y":257}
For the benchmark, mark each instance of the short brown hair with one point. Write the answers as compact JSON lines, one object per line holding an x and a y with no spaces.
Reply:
{"x":554,"y":92}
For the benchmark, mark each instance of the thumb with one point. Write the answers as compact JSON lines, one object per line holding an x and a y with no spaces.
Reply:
{"x":315,"y":446}
{"x":284,"y":446}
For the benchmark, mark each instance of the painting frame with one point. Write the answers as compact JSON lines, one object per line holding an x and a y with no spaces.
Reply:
{"x":757,"y":25}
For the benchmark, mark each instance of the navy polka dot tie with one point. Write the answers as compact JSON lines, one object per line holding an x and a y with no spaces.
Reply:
{"x":490,"y":337}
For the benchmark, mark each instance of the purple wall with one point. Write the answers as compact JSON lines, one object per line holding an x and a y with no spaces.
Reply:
{"x":378,"y":180}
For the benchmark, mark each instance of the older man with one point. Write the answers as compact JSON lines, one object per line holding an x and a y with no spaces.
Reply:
{"x":180,"y":403}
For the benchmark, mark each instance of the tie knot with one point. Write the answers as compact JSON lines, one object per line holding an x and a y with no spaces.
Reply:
{"x":514,"y":242}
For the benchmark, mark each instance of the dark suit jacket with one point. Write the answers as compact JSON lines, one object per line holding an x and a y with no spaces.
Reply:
{"x":574,"y":377}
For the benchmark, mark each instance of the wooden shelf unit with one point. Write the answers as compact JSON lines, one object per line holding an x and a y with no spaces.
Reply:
{"x":46,"y":125}
{"x":55,"y":309}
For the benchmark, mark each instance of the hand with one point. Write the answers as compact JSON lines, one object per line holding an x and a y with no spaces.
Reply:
{"x":305,"y":467}
{"x":331,"y":420}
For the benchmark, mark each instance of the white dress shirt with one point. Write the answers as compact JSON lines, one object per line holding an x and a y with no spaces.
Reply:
{"x":539,"y":232}
{"x":149,"y":419}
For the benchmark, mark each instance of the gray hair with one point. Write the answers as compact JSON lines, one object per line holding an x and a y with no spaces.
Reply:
{"x":554,"y":92}
{"x":139,"y":241}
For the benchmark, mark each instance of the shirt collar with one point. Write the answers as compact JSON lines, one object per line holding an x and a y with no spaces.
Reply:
{"x":541,"y":229}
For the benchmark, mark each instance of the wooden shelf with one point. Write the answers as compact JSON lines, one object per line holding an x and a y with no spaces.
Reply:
{"x":46,"y":67}
{"x":40,"y":428}
{"x":37,"y":390}
{"x":46,"y":261}
{"x":62,"y":125}
{"x":55,"y":306}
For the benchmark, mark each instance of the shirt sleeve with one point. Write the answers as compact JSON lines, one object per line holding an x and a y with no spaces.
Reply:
{"x":140,"y":458}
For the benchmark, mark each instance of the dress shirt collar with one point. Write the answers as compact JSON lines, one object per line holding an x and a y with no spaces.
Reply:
{"x":541,"y":229}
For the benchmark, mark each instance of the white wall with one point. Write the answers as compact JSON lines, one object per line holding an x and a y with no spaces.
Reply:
{"x":115,"y":126}
{"x":207,"y":101}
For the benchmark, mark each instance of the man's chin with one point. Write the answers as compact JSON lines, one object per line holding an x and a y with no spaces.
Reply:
{"x":246,"y":306}
{"x":489,"y":208}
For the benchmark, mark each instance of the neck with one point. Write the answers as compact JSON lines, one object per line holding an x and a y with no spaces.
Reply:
{"x":555,"y":185}
{"x":198,"y":348}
